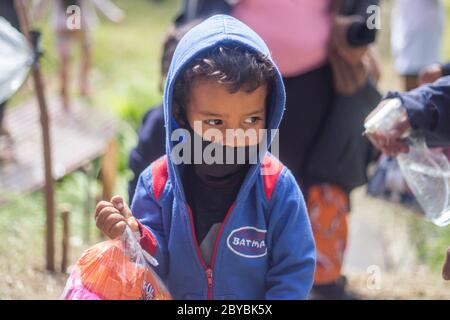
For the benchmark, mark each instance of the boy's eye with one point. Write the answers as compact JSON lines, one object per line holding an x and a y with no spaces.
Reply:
{"x":214,"y":122}
{"x":252,"y":120}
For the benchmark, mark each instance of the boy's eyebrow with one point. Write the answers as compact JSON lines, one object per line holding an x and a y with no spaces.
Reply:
{"x":260,"y":110}
{"x":212,"y":114}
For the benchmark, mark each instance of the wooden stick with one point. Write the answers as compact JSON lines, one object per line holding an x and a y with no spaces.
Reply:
{"x":49,"y":181}
{"x":109,"y":169}
{"x":88,"y":216}
{"x":65,"y":238}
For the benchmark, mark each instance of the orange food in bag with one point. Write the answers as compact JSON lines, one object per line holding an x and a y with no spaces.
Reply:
{"x":118,"y":279}
{"x":119,"y":270}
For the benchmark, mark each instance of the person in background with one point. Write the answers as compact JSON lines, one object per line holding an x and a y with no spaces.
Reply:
{"x":416,"y":37}
{"x":201,"y":9}
{"x":433,"y":72}
{"x":426,"y":110}
{"x":338,"y":157}
{"x":321,"y":70}
{"x":72,"y":25}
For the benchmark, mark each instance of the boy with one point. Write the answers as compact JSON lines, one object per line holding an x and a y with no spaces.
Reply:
{"x":234,"y":230}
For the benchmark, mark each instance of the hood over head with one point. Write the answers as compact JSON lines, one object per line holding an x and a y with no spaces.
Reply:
{"x":213,"y":32}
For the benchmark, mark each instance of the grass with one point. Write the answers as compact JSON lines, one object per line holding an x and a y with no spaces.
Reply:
{"x":125,"y":81}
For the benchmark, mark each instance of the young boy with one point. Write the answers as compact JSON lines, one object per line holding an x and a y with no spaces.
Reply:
{"x":234,"y":230}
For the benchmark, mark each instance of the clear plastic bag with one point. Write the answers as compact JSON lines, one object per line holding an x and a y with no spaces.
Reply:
{"x":427,"y":173}
{"x":116,"y":270}
{"x":16,"y":59}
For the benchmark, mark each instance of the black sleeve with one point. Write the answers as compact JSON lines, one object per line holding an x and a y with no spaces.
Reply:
{"x":201,"y":9}
{"x":428,"y":110}
{"x":446,"y":69}
{"x":8,"y":11}
{"x":359,"y":34}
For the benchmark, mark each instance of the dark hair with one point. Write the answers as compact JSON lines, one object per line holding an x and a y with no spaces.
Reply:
{"x":234,"y":65}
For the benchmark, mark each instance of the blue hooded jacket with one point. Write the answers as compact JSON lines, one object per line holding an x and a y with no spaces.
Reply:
{"x":265,"y":247}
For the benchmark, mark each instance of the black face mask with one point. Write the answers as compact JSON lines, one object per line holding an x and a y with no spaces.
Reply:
{"x":231,"y":162}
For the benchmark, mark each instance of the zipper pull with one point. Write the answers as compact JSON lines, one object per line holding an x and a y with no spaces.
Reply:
{"x":209,"y":275}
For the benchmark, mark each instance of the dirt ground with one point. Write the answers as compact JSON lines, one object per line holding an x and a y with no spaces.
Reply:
{"x":403,"y":286}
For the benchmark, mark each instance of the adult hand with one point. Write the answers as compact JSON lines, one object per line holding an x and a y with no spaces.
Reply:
{"x":392,"y":142}
{"x":430,"y":74}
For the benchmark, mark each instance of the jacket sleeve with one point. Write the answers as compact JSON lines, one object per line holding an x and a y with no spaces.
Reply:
{"x":291,"y":243}
{"x":446,"y":69}
{"x":149,"y":215}
{"x":150,"y":146}
{"x":428,"y":110}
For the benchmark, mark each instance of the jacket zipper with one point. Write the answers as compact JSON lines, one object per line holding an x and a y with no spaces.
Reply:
{"x":208,"y":269}
{"x":209,"y":276}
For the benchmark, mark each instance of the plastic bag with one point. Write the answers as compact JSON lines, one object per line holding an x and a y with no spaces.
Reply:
{"x":17,"y":58}
{"x":387,"y":183}
{"x":427,"y":173}
{"x":115,"y":270}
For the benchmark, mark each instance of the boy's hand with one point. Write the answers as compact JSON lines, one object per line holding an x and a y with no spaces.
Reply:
{"x":430,"y":74}
{"x":446,"y":268}
{"x":112,"y":217}
{"x":390,"y":143}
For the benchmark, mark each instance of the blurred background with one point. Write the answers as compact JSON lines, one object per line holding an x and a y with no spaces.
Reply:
{"x":388,"y":242}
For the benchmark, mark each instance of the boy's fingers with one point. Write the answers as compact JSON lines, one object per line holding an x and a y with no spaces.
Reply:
{"x":126,"y":211}
{"x":131,"y":221}
{"x":120,"y":205}
{"x":117,"y":201}
{"x":104,"y":214}
{"x":113,"y":220}
{"x":100,"y":206}
{"x":117,"y":230}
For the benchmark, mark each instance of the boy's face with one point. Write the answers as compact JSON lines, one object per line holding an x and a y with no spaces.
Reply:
{"x":216,"y":108}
